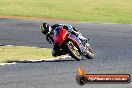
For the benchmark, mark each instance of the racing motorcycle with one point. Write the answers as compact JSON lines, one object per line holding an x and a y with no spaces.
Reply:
{"x":69,"y":43}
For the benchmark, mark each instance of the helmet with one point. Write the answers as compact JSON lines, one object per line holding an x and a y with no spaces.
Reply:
{"x":45,"y":28}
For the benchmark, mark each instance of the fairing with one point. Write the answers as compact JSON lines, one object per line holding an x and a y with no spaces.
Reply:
{"x":59,"y":35}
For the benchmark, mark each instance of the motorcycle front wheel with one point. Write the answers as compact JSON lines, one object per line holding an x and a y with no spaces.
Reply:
{"x":73,"y":50}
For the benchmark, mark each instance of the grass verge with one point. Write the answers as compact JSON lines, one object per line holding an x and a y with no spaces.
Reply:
{"x":21,"y":53}
{"x":111,"y":11}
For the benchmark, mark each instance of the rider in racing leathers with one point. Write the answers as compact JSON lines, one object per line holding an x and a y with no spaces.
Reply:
{"x":48,"y":30}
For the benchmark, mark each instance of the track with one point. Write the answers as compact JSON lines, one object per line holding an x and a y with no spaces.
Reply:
{"x":112,"y":44}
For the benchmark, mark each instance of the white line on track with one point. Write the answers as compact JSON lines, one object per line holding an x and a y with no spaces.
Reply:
{"x":49,"y":59}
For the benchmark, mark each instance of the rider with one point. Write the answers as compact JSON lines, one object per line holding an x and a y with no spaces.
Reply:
{"x":48,"y":30}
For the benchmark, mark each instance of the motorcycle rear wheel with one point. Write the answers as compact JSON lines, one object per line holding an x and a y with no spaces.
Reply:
{"x":90,"y":54}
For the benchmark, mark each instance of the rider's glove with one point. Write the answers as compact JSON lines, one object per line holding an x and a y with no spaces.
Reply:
{"x":75,"y":32}
{"x":75,"y":29}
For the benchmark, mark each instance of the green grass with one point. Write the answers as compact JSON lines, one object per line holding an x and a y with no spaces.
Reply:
{"x":111,"y":11}
{"x":21,"y":53}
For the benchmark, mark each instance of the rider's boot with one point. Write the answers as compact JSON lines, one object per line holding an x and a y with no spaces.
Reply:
{"x":56,"y":52}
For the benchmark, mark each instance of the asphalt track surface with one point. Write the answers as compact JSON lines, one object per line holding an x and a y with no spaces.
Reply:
{"x":112,"y":44}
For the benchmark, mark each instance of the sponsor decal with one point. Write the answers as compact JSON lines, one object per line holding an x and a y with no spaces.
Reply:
{"x":82,"y":78}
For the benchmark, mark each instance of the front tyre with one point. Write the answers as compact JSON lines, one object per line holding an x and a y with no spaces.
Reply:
{"x":73,"y":50}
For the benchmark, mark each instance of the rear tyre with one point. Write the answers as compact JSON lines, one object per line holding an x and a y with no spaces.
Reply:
{"x":73,"y":50}
{"x":90,"y":53}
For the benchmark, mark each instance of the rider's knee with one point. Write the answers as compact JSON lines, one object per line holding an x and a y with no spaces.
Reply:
{"x":55,"y":53}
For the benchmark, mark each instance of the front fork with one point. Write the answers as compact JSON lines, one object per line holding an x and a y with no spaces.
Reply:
{"x":82,"y":44}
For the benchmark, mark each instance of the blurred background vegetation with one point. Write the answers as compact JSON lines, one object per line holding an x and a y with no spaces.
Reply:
{"x":99,"y":11}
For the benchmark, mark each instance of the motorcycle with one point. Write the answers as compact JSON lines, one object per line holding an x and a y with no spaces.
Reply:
{"x":69,"y":43}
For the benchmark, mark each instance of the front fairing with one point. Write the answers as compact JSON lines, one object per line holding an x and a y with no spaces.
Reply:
{"x":59,"y":35}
